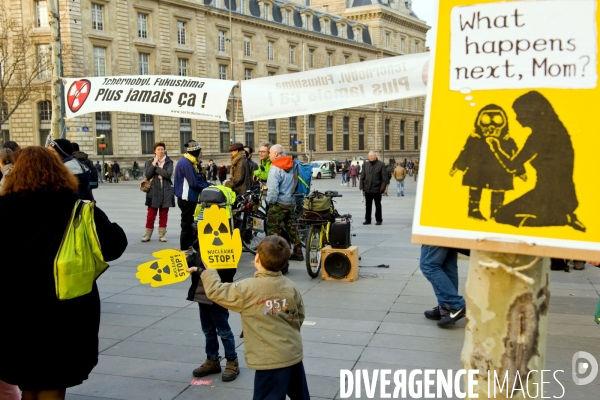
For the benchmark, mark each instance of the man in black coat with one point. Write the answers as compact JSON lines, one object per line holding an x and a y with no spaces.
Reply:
{"x":373,"y":180}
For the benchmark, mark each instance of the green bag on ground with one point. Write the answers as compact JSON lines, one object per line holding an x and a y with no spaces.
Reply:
{"x":598,"y":313}
{"x":79,"y":260}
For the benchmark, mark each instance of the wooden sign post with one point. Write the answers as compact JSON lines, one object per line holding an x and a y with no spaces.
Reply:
{"x":508,"y":166}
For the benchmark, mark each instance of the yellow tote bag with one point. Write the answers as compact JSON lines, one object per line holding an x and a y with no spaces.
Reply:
{"x":79,"y":260}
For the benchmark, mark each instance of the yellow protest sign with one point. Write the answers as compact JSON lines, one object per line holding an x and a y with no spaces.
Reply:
{"x":170,"y":268}
{"x":219,"y":247}
{"x":509,"y":156}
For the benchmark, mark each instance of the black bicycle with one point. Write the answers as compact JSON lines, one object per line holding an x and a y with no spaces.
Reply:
{"x":317,"y":236}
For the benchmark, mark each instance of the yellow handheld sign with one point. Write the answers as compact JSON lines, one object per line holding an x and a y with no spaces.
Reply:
{"x":219,"y":248}
{"x":170,"y":268}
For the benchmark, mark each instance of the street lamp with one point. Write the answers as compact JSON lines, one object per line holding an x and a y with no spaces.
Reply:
{"x":102,"y":145}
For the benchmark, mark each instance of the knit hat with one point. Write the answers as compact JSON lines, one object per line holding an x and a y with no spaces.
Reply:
{"x":192,"y":145}
{"x":63,"y":147}
{"x":235,"y":146}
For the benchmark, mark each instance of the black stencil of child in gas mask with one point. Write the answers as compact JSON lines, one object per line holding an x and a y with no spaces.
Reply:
{"x":479,"y":164}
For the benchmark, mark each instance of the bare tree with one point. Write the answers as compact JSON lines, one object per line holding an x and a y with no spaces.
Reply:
{"x":25,"y":67}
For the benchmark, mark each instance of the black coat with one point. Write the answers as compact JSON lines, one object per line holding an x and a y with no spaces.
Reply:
{"x":58,"y":339}
{"x":373,"y":177}
{"x":196,"y":291}
{"x":161,"y":192}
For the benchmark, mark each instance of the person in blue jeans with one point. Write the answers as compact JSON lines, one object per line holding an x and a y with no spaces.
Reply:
{"x":214,"y":320}
{"x":439,"y":266}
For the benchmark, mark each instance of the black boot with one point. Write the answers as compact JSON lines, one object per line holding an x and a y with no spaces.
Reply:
{"x":474,"y":199}
{"x":497,"y":202}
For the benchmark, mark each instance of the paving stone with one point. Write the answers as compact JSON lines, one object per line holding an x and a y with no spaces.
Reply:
{"x":140,"y":368}
{"x":128,"y":320}
{"x":137,"y":309}
{"x":104,"y":344}
{"x":446,"y":345}
{"x":312,"y":334}
{"x":126,"y":388}
{"x":117,"y":332}
{"x":149,"y":300}
{"x":344,"y":313}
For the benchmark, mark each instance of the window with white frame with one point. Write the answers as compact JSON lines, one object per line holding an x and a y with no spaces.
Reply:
{"x":97,"y":17}
{"x":270,"y":73}
{"x":41,"y":14}
{"x":402,"y":44}
{"x":312,"y":142}
{"x":346,"y":133}
{"x":247,"y":52}
{"x":218,"y":4}
{"x":247,"y":74}
{"x":185,"y":133}
{"x":99,"y":61}
{"x":181,"y":32}
{"x":144,"y":64}
{"x":386,"y":41}
{"x":45,"y":118}
{"x":292,"y":54}
{"x":306,"y":21}
{"x":222,"y":71}
{"x":147,"y":133}
{"x":417,"y":46}
{"x":221,"y":35}
{"x":342,"y":31}
{"x":142,"y":25}
{"x":271,"y":51}
{"x":311,"y":58}
{"x":242,"y":8}
{"x":361,"y":133}
{"x":43,"y":61}
{"x":329,"y":59}
{"x":266,"y":11}
{"x":182,"y":64}
{"x":346,"y":59}
{"x":287,"y":17}
{"x":325,"y":27}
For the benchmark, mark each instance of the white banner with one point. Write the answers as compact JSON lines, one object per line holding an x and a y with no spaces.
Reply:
{"x":514,"y":45}
{"x":334,"y":88}
{"x":173,"y":96}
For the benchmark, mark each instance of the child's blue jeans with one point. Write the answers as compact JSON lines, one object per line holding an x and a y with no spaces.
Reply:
{"x":215,"y":322}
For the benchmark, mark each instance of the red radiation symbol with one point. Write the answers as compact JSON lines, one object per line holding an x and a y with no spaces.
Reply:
{"x":78,"y":94}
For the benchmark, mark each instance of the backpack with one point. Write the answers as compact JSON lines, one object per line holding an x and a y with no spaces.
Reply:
{"x":302,"y":177}
{"x":93,"y":177}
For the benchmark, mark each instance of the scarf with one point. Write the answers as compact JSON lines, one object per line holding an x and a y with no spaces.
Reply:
{"x":193,"y":160}
{"x":161,"y":164}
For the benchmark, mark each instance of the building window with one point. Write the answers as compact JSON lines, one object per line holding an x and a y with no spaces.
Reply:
{"x":272,"y":131}
{"x":387,"y":134}
{"x":402,"y":135}
{"x":45,"y":117}
{"x":144,"y":64}
{"x":287,"y":17}
{"x":103,"y":128}
{"x":43,"y":61}
{"x":270,"y":73}
{"x":97,"y":17}
{"x":182,"y":64}
{"x":99,"y":61}
{"x":266,"y":11}
{"x":271,"y":51}
{"x":292,"y":54}
{"x":41,"y":14}
{"x":222,"y":41}
{"x":4,"y":131}
{"x":361,"y":133}
{"x":386,"y":41}
{"x":329,"y":133}
{"x":312,"y":143}
{"x":325,"y":28}
{"x":293,"y":131}
{"x":416,"y":133}
{"x":247,"y":74}
{"x":242,"y":6}
{"x":218,"y":4}
{"x":181,"y":32}
{"x":224,"y":134}
{"x":249,"y":127}
{"x":306,"y":21}
{"x":147,"y":131}
{"x":346,"y":59}
{"x":346,"y":133}
{"x":185,"y":133}
{"x":417,"y":46}
{"x":223,"y":72}
{"x":342,"y":31}
{"x":143,"y":25}
{"x":329,"y":59}
{"x":402,"y":45}
{"x":247,"y":46}
{"x":311,"y":58}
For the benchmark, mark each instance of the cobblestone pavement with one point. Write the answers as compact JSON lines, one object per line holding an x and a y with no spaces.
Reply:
{"x":150,"y":339}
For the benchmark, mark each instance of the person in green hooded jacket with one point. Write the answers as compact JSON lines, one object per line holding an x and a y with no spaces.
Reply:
{"x":262,"y":172}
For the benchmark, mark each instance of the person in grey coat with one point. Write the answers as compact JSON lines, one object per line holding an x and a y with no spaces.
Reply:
{"x":160,"y":196}
{"x":373,"y":180}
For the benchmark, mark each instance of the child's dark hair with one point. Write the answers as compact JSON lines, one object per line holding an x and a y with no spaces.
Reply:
{"x":274,"y":253}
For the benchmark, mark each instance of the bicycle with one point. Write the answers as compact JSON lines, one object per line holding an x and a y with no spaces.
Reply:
{"x":318,"y":233}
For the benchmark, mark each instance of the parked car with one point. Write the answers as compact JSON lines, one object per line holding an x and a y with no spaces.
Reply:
{"x":323,"y":169}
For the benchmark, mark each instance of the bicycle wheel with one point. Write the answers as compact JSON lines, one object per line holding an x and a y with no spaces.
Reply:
{"x":313,"y":250}
{"x":253,"y":230}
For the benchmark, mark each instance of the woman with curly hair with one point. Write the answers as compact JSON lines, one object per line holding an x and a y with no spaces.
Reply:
{"x":47,"y":345}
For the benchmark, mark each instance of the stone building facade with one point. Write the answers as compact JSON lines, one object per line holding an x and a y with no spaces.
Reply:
{"x":203,"y":38}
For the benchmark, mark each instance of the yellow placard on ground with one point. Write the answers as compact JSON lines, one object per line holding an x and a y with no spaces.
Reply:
{"x":219,"y":247}
{"x":170,"y":268}
{"x":509,"y":159}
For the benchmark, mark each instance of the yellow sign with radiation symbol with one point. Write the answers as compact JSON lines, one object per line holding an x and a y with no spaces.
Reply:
{"x":170,"y":268}
{"x":509,"y":151}
{"x":219,"y":247}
